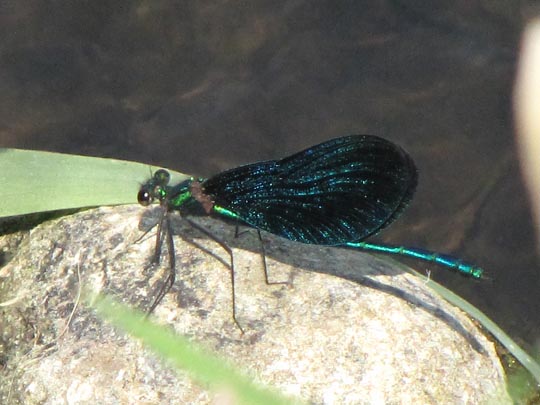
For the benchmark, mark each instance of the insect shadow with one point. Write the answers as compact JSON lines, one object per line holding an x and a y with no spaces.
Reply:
{"x":226,"y":235}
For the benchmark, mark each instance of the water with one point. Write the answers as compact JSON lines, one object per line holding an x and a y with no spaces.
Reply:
{"x":205,"y":88}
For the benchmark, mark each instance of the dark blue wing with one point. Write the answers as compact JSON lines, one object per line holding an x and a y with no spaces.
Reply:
{"x":336,"y":192}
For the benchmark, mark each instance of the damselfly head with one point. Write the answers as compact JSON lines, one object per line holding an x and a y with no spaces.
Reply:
{"x":154,"y":188}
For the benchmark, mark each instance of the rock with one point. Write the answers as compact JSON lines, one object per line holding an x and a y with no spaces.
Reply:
{"x":348,"y":328}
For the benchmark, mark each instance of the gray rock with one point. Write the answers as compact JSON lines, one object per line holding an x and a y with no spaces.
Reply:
{"x":349,"y":328}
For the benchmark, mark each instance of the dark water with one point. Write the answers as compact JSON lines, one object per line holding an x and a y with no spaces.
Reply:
{"x":204,"y":86}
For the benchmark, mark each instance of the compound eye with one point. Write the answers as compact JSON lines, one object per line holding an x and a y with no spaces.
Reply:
{"x":162,"y":177}
{"x":144,"y":198}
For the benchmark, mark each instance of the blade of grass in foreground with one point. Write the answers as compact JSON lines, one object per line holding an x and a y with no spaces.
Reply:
{"x":36,"y":181}
{"x":521,"y":355}
{"x":206,"y":369}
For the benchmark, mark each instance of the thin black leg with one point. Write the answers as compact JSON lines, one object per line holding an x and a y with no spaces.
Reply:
{"x":265,"y":268}
{"x":169,"y":281}
{"x":229,"y":251}
{"x":161,"y":230}
{"x":163,"y":216}
{"x":263,"y":255}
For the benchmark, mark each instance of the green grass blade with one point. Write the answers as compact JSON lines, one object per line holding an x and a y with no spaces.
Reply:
{"x":205,"y":368}
{"x":521,"y":355}
{"x":35,"y":181}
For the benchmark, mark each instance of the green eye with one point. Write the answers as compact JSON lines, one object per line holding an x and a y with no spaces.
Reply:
{"x":162,"y":177}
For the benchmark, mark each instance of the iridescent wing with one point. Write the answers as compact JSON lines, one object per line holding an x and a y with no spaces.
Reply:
{"x":336,"y":192}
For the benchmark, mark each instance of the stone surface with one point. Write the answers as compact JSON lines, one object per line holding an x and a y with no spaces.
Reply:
{"x":349,"y":328}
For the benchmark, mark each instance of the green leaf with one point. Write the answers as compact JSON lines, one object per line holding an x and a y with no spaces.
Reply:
{"x":35,"y":181}
{"x":205,"y":368}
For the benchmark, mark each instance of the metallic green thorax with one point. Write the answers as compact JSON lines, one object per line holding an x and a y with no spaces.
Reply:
{"x":188,"y":196}
{"x":180,"y":194}
{"x":194,"y":192}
